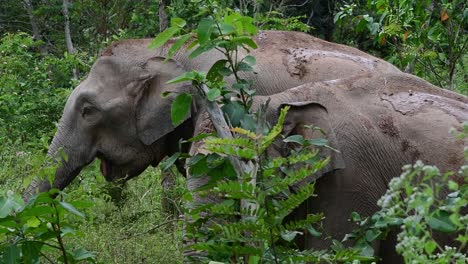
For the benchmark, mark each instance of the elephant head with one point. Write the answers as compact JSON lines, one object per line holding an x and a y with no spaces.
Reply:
{"x":116,"y":114}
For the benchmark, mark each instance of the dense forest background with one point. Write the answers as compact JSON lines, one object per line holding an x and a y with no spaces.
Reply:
{"x":48,"y":46}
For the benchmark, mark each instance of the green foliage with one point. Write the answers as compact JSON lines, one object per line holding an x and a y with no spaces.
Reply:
{"x":257,"y":233}
{"x":422,"y":202}
{"x":36,"y":229}
{"x":277,"y":21}
{"x":426,"y":37}
{"x":248,"y":193}
{"x":32,"y":90}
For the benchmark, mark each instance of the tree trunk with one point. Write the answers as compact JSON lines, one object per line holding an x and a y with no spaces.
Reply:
{"x":34,"y":26}
{"x":163,"y":17}
{"x":68,"y":40}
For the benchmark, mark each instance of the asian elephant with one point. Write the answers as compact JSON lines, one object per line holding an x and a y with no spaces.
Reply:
{"x":379,"y":123}
{"x":378,"y":117}
{"x":117,"y":113}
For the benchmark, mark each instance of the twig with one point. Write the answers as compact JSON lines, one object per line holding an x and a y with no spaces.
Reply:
{"x":149,"y":231}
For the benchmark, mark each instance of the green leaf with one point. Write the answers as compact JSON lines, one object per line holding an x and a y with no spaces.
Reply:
{"x":165,"y":165}
{"x":214,"y":74}
{"x":254,"y":259}
{"x":289,"y":235}
{"x":312,"y":231}
{"x":82,"y":254}
{"x":9,"y":204}
{"x":163,"y":37}
{"x":70,"y":208}
{"x":372,"y":235}
{"x":177,"y":45}
{"x":178,"y":22}
{"x":235,"y":112}
{"x":31,"y":251}
{"x":430,"y":246}
{"x":205,"y":27}
{"x":245,"y":40}
{"x":180,"y":108}
{"x":188,"y":76}
{"x":250,"y":60}
{"x":320,"y":142}
{"x":11,"y":254}
{"x":226,"y":28}
{"x":452,"y":185}
{"x":440,"y":221}
{"x":299,"y":139}
{"x":244,"y":67}
{"x":213,"y":94}
{"x":165,"y":94}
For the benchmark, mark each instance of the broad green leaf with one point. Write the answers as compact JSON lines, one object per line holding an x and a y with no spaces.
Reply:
{"x":430,"y":246}
{"x":31,"y":251}
{"x":213,"y":94}
{"x":71,"y":209}
{"x":226,"y":28}
{"x":245,"y":40}
{"x":204,"y":30}
{"x":177,"y":45}
{"x":9,"y":204}
{"x":166,"y":164}
{"x":289,"y":235}
{"x":82,"y":254}
{"x":299,"y":139}
{"x":163,"y":37}
{"x":178,"y":22}
{"x":188,"y":76}
{"x":180,"y":108}
{"x":254,"y":259}
{"x":214,"y":74}
{"x":248,"y":123}
{"x":235,"y":112}
{"x":11,"y":254}
{"x":320,"y":142}
{"x":372,"y":235}
{"x":312,"y":231}
{"x":440,"y":221}
{"x":244,"y":67}
{"x":250,"y":60}
{"x":452,"y":185}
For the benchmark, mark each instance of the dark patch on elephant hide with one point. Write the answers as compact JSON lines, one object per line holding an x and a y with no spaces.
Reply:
{"x":405,"y":145}
{"x":387,"y":126}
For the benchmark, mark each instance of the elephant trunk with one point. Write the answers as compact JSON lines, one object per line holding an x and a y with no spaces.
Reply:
{"x":68,"y":166}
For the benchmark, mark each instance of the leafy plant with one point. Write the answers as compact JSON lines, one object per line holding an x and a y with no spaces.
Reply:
{"x":249,"y":190}
{"x":426,"y":37}
{"x":36,"y":230}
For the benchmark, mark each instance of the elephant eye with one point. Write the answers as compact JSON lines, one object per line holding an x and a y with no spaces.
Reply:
{"x":88,"y":111}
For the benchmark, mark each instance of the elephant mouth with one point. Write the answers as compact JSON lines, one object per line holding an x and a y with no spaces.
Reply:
{"x":106,"y":167}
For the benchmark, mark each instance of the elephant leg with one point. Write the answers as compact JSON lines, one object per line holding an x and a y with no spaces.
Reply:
{"x":387,"y":252}
{"x":339,"y":193}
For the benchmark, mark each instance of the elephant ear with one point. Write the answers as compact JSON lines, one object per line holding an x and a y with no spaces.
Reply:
{"x":311,"y":113}
{"x":153,"y":112}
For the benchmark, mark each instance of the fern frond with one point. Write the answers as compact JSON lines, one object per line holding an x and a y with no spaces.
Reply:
{"x":300,"y":224}
{"x":245,"y":132}
{"x":286,"y":206}
{"x":275,"y":131}
{"x":243,"y":153}
{"x":302,"y":156}
{"x":236,"y":190}
{"x":237,"y":142}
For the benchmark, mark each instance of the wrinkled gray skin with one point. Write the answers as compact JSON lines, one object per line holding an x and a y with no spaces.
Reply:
{"x":379,"y":123}
{"x":117,"y":115}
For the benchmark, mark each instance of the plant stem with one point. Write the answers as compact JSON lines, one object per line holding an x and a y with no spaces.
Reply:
{"x":56,"y":228}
